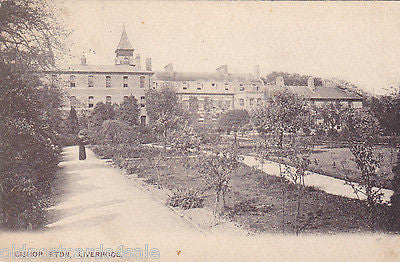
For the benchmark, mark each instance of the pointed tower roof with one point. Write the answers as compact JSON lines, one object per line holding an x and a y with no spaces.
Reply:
{"x":124,"y":43}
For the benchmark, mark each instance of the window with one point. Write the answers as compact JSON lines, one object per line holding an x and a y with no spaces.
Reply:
{"x":90,"y":101}
{"x":108,"y":99}
{"x":154,"y":84}
{"x":125,"y":98}
{"x":199,"y":86}
{"x":259,"y":102}
{"x":350,"y":104}
{"x":142,"y":79}
{"x":241,"y":87}
{"x":226,"y":86}
{"x":212,"y":84}
{"x":108,"y":81}
{"x":184,"y":86}
{"x":72,"y":81}
{"x":125,"y":81}
{"x":241,"y":102}
{"x":73,"y":102}
{"x":251,"y":102}
{"x":142,"y":101}
{"x":90,"y":81}
{"x":143,"y":120}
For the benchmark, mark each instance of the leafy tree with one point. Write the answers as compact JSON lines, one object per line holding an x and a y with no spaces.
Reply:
{"x":362,"y":130}
{"x":279,"y":124}
{"x":387,"y":110}
{"x":395,"y":198}
{"x":234,"y":120}
{"x":165,"y":111}
{"x":101,"y":112}
{"x":30,"y":33}
{"x":285,"y":113}
{"x":218,"y":166}
{"x":113,"y":132}
{"x":73,"y":123}
{"x":129,"y":111}
{"x":29,"y":111}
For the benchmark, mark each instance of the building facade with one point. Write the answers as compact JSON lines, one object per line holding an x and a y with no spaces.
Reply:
{"x":318,"y":94}
{"x":85,"y":85}
{"x":215,"y":92}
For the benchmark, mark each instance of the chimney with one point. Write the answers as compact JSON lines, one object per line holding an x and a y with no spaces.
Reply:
{"x":223,"y":70}
{"x":280,"y":81}
{"x":257,"y":71}
{"x":137,"y":62}
{"x":169,"y":68}
{"x":83,"y":60}
{"x":148,"y":64}
{"x":311,"y":84}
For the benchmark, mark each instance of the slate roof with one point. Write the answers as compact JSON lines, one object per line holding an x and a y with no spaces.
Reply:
{"x":100,"y":68}
{"x":124,"y":43}
{"x":320,"y":92}
{"x":195,"y":76}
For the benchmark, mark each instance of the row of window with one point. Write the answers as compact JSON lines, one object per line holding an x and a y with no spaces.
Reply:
{"x":74,"y":101}
{"x":72,"y":81}
{"x":251,"y":102}
{"x":199,"y":86}
{"x":195,"y":104}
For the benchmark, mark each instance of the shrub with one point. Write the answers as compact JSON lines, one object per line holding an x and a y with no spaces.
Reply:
{"x":249,"y":206}
{"x":186,"y":199}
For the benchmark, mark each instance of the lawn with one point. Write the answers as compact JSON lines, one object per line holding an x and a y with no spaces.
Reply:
{"x":256,"y":201}
{"x":337,"y":162}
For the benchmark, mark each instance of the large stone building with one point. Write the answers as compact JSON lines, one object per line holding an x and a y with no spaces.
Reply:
{"x":216,"y":92}
{"x":85,"y":85}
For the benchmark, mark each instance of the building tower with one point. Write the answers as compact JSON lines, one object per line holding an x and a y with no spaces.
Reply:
{"x":124,"y":52}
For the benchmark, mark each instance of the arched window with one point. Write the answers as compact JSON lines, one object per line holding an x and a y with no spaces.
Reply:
{"x":90,"y":101}
{"x":90,"y":81}
{"x":72,"y":81}
{"x":108,"y":99}
{"x":108,"y":81}
{"x":125,"y":81}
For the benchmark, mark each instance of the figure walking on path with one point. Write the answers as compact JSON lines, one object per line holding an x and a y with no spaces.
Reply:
{"x":82,"y":140}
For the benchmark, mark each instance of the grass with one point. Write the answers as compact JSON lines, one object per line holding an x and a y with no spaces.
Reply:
{"x":258,"y":201}
{"x":337,"y":162}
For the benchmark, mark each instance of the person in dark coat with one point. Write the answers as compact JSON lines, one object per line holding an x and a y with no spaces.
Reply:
{"x":82,"y":142}
{"x":82,"y":150}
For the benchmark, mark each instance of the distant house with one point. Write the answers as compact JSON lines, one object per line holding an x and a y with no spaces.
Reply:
{"x":317,"y":92}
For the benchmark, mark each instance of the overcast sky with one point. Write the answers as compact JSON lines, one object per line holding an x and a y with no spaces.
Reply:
{"x":358,"y":42}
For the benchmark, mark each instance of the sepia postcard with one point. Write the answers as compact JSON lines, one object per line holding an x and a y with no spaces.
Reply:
{"x":199,"y":131}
